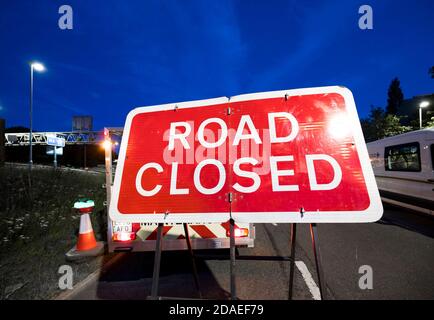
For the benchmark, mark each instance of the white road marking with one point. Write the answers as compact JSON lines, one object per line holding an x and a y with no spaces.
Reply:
{"x":313,"y":288}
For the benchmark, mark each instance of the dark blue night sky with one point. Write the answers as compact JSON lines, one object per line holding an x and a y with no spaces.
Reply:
{"x":124,"y":54}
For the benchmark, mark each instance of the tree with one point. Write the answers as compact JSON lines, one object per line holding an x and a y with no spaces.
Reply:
{"x":392,"y":126}
{"x":372,"y":125}
{"x":394,"y":97}
{"x":379,"y":125}
{"x":430,"y":123}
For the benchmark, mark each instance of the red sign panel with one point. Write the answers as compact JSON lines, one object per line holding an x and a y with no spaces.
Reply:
{"x":284,"y":156}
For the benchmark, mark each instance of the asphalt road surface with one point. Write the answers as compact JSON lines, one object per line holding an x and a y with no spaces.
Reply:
{"x":399,"y":249}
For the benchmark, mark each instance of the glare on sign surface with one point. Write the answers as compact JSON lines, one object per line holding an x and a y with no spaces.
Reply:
{"x":339,"y":126}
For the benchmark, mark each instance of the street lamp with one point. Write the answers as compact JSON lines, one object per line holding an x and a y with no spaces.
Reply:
{"x":39,"y":67}
{"x":423,"y":104}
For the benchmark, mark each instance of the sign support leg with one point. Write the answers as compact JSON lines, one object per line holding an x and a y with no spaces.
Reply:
{"x":292,"y":261}
{"x":232,"y":253}
{"x":317,"y":255}
{"x":193,"y":262}
{"x":157,"y":260}
{"x":55,"y":157}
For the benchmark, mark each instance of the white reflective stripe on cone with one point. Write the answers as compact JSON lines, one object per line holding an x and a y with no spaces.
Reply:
{"x":85,"y":224}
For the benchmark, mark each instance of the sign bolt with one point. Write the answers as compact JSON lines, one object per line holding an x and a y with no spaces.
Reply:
{"x":302,"y":211}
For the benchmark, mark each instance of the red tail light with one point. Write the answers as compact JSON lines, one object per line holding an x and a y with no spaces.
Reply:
{"x":239,"y":232}
{"x":124,"y":236}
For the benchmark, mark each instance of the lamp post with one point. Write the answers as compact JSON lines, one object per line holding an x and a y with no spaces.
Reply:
{"x":39,"y":67}
{"x":423,"y":104}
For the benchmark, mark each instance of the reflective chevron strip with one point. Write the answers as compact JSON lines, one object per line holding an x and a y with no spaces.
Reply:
{"x":196,"y":231}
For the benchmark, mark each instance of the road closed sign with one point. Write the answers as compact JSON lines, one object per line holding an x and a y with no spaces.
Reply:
{"x":283,"y":156}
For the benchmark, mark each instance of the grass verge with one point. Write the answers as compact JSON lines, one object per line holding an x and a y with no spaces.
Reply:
{"x":38,"y":226}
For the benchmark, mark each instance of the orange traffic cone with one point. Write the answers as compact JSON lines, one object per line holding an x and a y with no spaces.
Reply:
{"x":86,"y":237}
{"x":87,"y":246}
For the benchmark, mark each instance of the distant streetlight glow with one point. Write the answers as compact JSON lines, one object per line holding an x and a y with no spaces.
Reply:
{"x":107,"y":144}
{"x":423,"y":104}
{"x":37,"y":66}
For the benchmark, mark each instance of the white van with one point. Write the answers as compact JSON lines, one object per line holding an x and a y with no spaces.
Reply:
{"x":404,"y":169}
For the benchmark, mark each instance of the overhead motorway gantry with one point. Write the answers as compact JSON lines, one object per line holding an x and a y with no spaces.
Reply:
{"x":71,"y":138}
